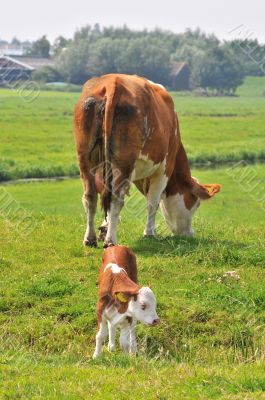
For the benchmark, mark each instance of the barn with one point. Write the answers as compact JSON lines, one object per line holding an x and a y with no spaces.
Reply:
{"x":180,"y":76}
{"x":12,"y":70}
{"x":19,"y":68}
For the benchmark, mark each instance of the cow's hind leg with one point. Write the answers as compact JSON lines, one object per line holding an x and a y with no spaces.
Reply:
{"x":157,"y":185}
{"x":89,"y":200}
{"x":90,"y":205}
{"x":103,"y":229}
{"x":117,"y":203}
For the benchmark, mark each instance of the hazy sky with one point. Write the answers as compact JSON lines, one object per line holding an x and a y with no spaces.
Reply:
{"x":29,"y":19}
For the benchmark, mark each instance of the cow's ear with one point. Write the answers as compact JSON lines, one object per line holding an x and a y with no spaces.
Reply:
{"x":205,"y":192}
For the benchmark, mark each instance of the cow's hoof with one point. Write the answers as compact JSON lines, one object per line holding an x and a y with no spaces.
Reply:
{"x":91,"y":243}
{"x":102,"y":233}
{"x":148,"y":235}
{"x":106,"y":245}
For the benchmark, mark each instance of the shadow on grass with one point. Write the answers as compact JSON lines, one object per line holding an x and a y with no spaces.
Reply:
{"x":181,"y":245}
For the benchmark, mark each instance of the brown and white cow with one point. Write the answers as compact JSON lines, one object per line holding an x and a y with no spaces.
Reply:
{"x":126,"y":130}
{"x":121,"y":301}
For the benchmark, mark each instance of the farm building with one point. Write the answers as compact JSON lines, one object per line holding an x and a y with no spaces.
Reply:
{"x":180,"y":76}
{"x":12,"y":70}
{"x":17,"y":68}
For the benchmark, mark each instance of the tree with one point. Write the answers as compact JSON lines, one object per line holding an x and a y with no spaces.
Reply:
{"x":217,"y":71}
{"x":72,"y":63}
{"x":249,"y":53}
{"x":60,"y":43}
{"x":41,"y":47}
{"x":132,"y":56}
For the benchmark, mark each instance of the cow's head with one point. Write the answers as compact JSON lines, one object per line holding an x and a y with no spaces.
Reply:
{"x":179,"y":208}
{"x":143,"y":307}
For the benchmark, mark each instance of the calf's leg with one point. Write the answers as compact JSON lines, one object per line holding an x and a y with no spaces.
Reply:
{"x":125,"y":339}
{"x":112,"y":334}
{"x":100,"y":336}
{"x":133,"y":342}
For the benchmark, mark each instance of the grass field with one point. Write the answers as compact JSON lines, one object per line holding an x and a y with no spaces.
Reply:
{"x":37,"y":139}
{"x":211,"y":340}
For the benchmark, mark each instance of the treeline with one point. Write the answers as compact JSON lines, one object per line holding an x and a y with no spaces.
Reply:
{"x":218,"y":67}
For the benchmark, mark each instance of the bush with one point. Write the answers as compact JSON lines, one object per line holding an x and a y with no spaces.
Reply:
{"x":47,"y":73}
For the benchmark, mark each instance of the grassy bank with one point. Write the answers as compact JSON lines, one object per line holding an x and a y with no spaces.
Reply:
{"x":37,"y":140}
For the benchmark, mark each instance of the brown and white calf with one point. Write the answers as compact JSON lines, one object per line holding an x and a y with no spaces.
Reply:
{"x":121,"y":301}
{"x":126,"y":130}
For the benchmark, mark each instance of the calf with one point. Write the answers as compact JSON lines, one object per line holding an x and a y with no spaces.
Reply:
{"x":121,"y":301}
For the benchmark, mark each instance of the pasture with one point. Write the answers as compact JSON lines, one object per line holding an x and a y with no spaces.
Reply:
{"x":211,"y":341}
{"x":37,"y":139}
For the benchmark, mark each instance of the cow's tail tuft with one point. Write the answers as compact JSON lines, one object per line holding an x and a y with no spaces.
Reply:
{"x":112,"y":97}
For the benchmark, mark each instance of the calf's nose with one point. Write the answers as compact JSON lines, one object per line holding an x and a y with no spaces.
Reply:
{"x":155,"y":321}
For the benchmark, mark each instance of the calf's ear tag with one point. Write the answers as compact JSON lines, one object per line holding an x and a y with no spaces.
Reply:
{"x":121,"y":297}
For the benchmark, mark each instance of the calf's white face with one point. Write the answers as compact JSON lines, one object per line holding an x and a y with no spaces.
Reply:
{"x":144,"y":307}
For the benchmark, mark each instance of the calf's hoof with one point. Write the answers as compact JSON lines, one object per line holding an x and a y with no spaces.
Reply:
{"x":91,"y":243}
{"x":102,"y":233}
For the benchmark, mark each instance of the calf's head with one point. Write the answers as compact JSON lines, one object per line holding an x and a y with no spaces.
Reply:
{"x":179,"y":208}
{"x":142,"y":305}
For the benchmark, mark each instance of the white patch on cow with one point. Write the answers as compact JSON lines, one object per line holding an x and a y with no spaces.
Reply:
{"x":115,"y":269}
{"x":156,"y":84}
{"x":143,"y":168}
{"x":177,"y":216}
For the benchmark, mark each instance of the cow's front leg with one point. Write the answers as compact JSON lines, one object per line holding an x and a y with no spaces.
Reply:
{"x":157,"y":186}
{"x":90,"y":205}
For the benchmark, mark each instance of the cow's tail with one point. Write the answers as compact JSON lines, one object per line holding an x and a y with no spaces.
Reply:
{"x":112,"y":97}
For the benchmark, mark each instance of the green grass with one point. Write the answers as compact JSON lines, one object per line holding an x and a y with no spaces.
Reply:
{"x":210,"y":343}
{"x":253,"y":86}
{"x":37,"y":140}
{"x":211,"y":340}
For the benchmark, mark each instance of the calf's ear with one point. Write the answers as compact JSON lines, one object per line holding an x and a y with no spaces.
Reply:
{"x":205,"y":192}
{"x":125,"y":296}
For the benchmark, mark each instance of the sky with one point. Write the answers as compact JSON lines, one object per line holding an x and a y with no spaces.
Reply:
{"x":227,"y":19}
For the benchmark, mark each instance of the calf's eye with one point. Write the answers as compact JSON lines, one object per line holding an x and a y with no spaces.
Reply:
{"x":143,"y":306}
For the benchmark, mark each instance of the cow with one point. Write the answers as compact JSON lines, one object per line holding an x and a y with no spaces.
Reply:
{"x":126,"y":130}
{"x":121,"y":301}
